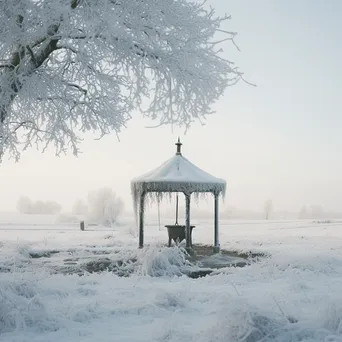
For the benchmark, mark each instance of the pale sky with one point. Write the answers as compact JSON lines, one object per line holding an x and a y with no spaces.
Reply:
{"x":279,"y":141}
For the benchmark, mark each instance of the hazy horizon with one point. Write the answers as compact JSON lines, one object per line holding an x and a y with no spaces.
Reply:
{"x":279,"y":140}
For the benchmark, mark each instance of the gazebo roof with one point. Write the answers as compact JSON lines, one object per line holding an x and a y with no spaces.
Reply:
{"x":177,"y":174}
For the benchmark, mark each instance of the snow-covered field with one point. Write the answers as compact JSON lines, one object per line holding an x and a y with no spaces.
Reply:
{"x":294,"y":294}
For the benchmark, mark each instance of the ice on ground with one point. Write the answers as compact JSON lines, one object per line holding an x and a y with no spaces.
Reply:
{"x":292,"y":294}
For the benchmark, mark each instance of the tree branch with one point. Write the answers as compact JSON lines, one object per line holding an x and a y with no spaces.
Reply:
{"x":37,"y":61}
{"x":140,"y":51}
{"x":78,"y":87}
{"x":39,"y":41}
{"x":32,"y":55}
{"x":74,"y":3}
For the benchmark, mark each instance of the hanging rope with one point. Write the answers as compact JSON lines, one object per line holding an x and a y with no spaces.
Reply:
{"x":176,"y":210}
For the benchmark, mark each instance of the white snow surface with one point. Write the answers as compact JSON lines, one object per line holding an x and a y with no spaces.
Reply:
{"x":291,"y":295}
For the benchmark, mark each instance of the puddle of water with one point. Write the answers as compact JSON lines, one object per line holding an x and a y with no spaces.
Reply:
{"x":221,"y":261}
{"x":45,"y":254}
{"x":203,"y":261}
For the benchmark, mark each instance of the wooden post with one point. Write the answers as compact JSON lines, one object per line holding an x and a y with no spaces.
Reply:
{"x":177,"y":209}
{"x":187,"y":222}
{"x":216,"y":224}
{"x":141,"y":220}
{"x":82,"y":225}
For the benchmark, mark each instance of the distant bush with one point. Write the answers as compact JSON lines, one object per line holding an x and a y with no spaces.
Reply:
{"x":26,"y":206}
{"x":104,"y":206}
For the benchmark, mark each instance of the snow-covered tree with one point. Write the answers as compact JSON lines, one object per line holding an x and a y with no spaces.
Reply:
{"x":104,"y":206}
{"x":51,"y":207}
{"x":70,"y":66}
{"x":303,"y":213}
{"x":268,"y":209}
{"x":24,"y":205}
{"x":79,"y":207}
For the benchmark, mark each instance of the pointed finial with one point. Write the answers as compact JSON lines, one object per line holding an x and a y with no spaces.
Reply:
{"x":179,"y":146}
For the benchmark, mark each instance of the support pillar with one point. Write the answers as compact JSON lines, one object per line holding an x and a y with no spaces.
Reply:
{"x":141,"y":220}
{"x":187,"y":223}
{"x":216,"y":224}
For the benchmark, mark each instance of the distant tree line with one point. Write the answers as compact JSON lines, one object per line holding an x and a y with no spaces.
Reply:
{"x":312,"y":211}
{"x":103,"y":206}
{"x":26,"y":206}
